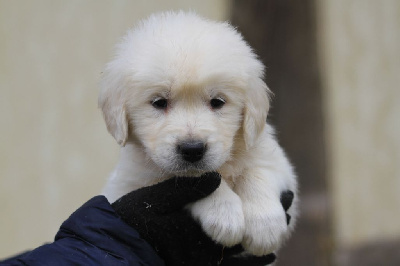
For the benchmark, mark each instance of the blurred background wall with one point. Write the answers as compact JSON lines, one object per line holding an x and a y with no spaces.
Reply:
{"x":334,"y":66}
{"x":360,"y":64}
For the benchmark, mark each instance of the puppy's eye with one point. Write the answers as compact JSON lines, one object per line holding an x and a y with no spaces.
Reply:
{"x":160,"y":103}
{"x":217,"y":103}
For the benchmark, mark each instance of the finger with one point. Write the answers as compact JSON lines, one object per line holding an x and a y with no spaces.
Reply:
{"x":202,"y":186}
{"x":287,"y":199}
{"x":235,"y":250}
{"x":172,"y":194}
{"x":249,"y":260}
{"x":288,"y":218}
{"x":185,"y":190}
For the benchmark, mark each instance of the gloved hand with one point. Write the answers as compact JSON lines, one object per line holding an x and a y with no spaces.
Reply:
{"x":157,"y":213}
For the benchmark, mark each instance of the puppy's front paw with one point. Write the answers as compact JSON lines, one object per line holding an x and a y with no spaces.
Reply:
{"x":221,"y":219}
{"x":266,"y":229}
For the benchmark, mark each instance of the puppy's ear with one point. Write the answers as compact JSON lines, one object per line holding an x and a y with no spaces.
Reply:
{"x":112,"y":104}
{"x":255,"y":111}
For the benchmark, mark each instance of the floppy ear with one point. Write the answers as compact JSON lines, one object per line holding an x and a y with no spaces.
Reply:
{"x":255,"y":111}
{"x":111,"y":102}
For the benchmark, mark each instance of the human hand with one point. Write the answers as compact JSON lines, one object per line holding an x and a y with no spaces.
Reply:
{"x":158,"y":214}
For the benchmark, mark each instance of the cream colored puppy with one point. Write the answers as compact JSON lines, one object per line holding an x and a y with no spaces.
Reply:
{"x":184,"y":96}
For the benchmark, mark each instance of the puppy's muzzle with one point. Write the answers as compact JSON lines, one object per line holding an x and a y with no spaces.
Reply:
{"x":192,"y":150}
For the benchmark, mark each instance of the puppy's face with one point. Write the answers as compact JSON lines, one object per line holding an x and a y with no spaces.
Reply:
{"x":187,"y":129}
{"x":186,"y":90}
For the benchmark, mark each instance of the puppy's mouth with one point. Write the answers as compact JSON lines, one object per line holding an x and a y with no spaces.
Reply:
{"x":192,"y":158}
{"x":189,"y":158}
{"x":192,"y":169}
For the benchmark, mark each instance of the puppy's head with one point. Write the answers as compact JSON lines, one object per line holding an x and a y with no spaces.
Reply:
{"x":185,"y":89}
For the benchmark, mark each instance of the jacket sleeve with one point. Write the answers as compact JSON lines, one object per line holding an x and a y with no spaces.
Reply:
{"x":92,"y":235}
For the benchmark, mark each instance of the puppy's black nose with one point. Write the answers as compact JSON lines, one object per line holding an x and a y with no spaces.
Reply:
{"x":192,"y":151}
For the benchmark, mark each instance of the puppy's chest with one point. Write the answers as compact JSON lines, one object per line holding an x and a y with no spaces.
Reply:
{"x":231,"y":173}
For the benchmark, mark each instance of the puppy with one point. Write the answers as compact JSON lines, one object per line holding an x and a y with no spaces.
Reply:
{"x":184,"y":96}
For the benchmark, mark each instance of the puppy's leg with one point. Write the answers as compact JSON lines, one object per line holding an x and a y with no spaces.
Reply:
{"x":221,"y":215}
{"x":265,"y":218}
{"x":260,"y":191}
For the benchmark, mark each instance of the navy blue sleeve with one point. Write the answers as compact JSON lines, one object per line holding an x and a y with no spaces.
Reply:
{"x":92,"y":235}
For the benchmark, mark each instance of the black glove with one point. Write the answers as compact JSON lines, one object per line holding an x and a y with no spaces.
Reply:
{"x":157,"y":213}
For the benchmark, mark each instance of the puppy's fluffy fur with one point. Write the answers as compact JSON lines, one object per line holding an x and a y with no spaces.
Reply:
{"x":178,"y":78}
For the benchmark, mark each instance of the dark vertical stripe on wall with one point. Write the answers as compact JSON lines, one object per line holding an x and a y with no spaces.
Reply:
{"x":283,"y":34}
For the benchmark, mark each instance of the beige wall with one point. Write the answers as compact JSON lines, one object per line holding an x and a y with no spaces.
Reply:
{"x":55,"y":152}
{"x":360,"y":48}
